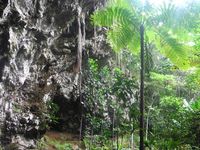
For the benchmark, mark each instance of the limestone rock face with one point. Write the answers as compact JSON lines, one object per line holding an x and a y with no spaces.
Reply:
{"x":39,"y":43}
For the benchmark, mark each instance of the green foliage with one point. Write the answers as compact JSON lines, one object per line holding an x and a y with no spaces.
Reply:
{"x":173,"y":117}
{"x":60,"y":146}
{"x":175,"y":27}
{"x":193,"y":80}
{"x":16,"y":108}
{"x":162,"y":84}
{"x":173,"y":49}
{"x":100,"y":143}
{"x":41,"y":144}
{"x":169,"y":92}
{"x":118,"y":16}
{"x":46,"y":142}
{"x":97,"y":142}
{"x":167,"y":123}
{"x":174,"y":125}
{"x":196,"y":105}
{"x":162,"y":78}
{"x":110,"y":97}
{"x":192,"y":126}
{"x":166,"y":27}
{"x":172,"y":103}
{"x":52,"y":111}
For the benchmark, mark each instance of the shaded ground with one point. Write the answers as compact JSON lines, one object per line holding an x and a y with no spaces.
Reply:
{"x":55,"y":140}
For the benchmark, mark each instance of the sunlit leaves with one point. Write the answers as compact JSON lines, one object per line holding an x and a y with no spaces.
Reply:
{"x":162,"y":78}
{"x":193,"y":80}
{"x":167,"y":27}
{"x":175,"y":33}
{"x":173,"y":49}
{"x":196,"y":105}
{"x":122,"y":23}
{"x":121,"y":37}
{"x":112,"y":16}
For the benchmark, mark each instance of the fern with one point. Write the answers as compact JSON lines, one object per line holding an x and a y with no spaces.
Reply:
{"x":111,"y":16}
{"x":119,"y":16}
{"x":123,"y":19}
{"x":174,"y":50}
{"x":122,"y":24}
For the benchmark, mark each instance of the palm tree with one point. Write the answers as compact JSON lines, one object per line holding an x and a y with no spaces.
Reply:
{"x":166,"y":27}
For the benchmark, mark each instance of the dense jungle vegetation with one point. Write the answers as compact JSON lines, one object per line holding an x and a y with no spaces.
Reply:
{"x":169,"y":68}
{"x":157,"y":50}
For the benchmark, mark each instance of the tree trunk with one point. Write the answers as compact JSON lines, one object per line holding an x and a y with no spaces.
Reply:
{"x":113,"y":126}
{"x":142,"y":89}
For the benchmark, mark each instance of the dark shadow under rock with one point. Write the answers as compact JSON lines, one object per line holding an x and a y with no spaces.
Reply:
{"x":68,"y":115}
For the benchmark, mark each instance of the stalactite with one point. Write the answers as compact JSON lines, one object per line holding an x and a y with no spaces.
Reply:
{"x":79,"y":51}
{"x":83,"y":28}
{"x":81,"y":41}
{"x":95,"y":38}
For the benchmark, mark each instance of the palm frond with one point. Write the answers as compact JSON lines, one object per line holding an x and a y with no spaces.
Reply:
{"x":166,"y":14}
{"x":178,"y":18}
{"x":172,"y":26}
{"x":168,"y":28}
{"x":195,"y":61}
{"x":123,"y":37}
{"x":195,"y":57}
{"x":112,"y":16}
{"x":174,"y":50}
{"x":126,"y":4}
{"x":122,"y":23}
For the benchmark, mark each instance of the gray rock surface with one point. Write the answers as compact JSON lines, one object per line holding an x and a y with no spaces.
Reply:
{"x":38,"y":60}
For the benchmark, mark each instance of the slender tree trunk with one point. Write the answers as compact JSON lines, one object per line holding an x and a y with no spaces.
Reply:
{"x":148,"y":115}
{"x":132,"y":135}
{"x":132,"y":141}
{"x":117,"y":134}
{"x":122,"y":139}
{"x":92,"y":139}
{"x":147,"y":124}
{"x":142,"y":89}
{"x":113,"y":126}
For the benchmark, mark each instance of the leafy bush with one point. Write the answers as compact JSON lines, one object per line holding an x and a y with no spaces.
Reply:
{"x":64,"y":146}
{"x":52,"y":111}
{"x":41,"y":144}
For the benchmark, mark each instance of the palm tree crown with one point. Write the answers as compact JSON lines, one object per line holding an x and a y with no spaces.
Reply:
{"x":169,"y":27}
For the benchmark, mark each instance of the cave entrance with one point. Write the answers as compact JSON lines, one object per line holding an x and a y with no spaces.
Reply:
{"x":68,"y":114}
